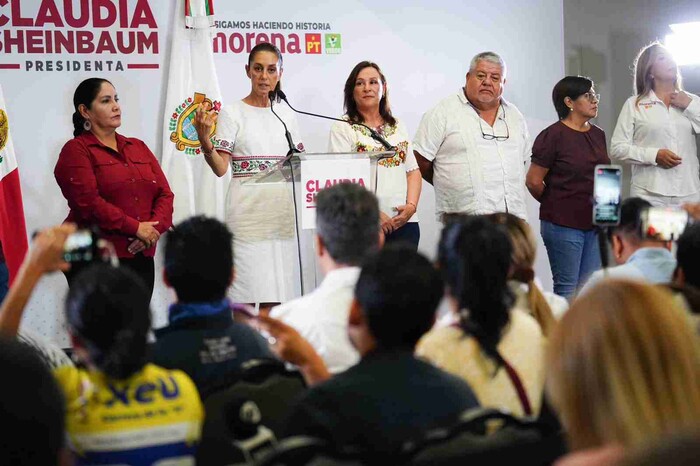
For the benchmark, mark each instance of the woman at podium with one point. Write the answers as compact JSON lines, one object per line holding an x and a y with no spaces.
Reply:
{"x":398,"y":178}
{"x":251,"y":139}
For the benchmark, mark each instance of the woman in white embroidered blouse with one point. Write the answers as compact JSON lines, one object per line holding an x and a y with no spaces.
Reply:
{"x":251,"y":139}
{"x":656,"y":131}
{"x":398,"y":178}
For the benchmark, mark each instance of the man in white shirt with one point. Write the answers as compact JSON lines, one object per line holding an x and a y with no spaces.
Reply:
{"x":473,"y":146}
{"x":347,"y":231}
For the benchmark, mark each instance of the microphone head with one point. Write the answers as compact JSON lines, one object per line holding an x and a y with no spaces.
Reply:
{"x":272,"y":95}
{"x":281,"y":94}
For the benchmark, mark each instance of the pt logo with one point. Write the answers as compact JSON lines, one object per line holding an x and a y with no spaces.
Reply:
{"x":313,"y":43}
{"x":183,"y":133}
{"x":333,"y":46}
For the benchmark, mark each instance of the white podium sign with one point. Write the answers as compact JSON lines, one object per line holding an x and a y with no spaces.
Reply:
{"x":318,"y":174}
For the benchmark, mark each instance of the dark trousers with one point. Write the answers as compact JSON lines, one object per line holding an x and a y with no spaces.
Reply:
{"x":408,"y":234}
{"x":143,"y":266}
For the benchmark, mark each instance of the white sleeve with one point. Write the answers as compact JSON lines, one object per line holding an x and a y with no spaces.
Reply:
{"x":622,"y":147}
{"x":410,"y":162}
{"x":341,"y":138}
{"x":430,"y":134}
{"x":527,"y":141}
{"x":692,"y":112}
{"x":224,"y":138}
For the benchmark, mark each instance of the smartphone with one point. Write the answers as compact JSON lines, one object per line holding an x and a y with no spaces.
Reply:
{"x":80,"y":246}
{"x":663,"y":224}
{"x":607,"y":194}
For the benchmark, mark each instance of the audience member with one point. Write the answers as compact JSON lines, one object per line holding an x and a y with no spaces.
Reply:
{"x":390,"y":396}
{"x":623,"y":369}
{"x":522,"y":280}
{"x":119,"y":407}
{"x":688,"y":257}
{"x":638,"y":258}
{"x":498,"y":350}
{"x":33,"y":410}
{"x":347,"y":231}
{"x":202,"y":337}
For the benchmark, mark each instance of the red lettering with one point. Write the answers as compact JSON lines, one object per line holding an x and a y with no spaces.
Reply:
{"x":17,"y":19}
{"x":147,"y":41}
{"x":236,"y":37}
{"x":123,"y":45}
{"x":310,"y":198}
{"x":219,"y":43}
{"x":105,"y":44}
{"x":84,"y":42}
{"x":9,"y":41}
{"x":34,"y":40}
{"x":328,"y":184}
{"x":48,"y":14}
{"x":262,"y":37}
{"x":4,"y":19}
{"x":64,"y":42}
{"x":143,"y":15}
{"x":70,"y":18}
{"x":48,"y":42}
{"x":249,"y":37}
{"x":362,"y":182}
{"x":102,"y":22}
{"x":293,"y":44}
{"x":123,"y":14}
{"x":310,"y":186}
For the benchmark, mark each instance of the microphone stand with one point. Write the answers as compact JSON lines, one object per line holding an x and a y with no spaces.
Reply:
{"x":372,"y":132}
{"x":288,"y":159}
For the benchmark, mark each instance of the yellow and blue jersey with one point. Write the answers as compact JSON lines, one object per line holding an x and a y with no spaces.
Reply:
{"x":154,"y":415}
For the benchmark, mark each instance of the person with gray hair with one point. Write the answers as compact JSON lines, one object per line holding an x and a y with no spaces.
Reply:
{"x":347,"y":232}
{"x":473,"y":145}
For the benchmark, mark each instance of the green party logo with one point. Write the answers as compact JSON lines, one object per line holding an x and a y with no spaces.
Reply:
{"x":333,"y":44}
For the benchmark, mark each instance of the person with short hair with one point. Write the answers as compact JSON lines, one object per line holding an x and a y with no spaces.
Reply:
{"x":347,"y":232}
{"x":202,"y":338}
{"x":638,"y":258}
{"x":33,"y":409}
{"x":560,"y":178}
{"x":688,"y":257}
{"x":390,"y":396}
{"x":655,"y":132}
{"x":398,"y":179}
{"x":623,"y":367}
{"x":473,"y":146}
{"x":497,"y":349}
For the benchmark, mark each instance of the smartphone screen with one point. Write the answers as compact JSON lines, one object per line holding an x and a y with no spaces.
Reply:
{"x":79,"y":247}
{"x":663,"y":224}
{"x":607,"y":190}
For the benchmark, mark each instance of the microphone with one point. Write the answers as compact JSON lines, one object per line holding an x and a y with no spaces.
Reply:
{"x":372,"y":132}
{"x":292,"y":148}
{"x":242,"y":418}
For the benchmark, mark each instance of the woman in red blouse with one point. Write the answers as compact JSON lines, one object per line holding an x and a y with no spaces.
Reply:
{"x":113,"y":182}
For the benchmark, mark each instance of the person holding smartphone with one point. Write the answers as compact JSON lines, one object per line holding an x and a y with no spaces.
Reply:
{"x":655,"y":132}
{"x":560,"y":177}
{"x":113,"y":182}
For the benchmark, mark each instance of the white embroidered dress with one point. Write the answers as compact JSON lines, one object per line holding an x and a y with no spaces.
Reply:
{"x":261,"y":216}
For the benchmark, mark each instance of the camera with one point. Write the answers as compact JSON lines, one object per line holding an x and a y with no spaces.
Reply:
{"x":81,"y":246}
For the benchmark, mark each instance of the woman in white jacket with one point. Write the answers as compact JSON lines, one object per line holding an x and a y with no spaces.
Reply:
{"x":655,"y":132}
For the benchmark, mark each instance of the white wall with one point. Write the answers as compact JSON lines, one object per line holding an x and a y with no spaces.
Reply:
{"x":423,"y":48}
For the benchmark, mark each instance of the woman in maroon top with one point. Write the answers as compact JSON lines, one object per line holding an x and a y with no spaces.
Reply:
{"x":560,"y":177}
{"x":113,"y":182}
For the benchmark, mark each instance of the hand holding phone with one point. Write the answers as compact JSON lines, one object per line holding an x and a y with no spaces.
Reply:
{"x":81,"y":246}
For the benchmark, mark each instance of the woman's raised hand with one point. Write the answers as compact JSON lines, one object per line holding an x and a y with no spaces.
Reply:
{"x":204,"y":120}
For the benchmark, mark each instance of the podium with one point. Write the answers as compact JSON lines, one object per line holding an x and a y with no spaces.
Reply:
{"x":301,"y":176}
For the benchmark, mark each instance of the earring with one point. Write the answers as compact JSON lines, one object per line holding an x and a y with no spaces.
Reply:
{"x":571,"y":109}
{"x":87,"y":125}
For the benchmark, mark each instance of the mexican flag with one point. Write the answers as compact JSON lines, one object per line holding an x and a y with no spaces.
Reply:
{"x":192,"y":80}
{"x":13,"y":231}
